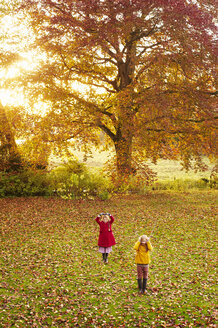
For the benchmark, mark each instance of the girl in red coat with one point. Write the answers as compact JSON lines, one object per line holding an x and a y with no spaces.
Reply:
{"x":106,"y":238}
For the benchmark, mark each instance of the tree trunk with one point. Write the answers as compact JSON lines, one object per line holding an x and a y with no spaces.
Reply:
{"x":123,"y":147}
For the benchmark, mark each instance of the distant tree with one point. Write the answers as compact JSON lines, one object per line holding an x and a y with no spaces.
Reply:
{"x":10,"y":158}
{"x":148,"y":68}
{"x":15,"y":122}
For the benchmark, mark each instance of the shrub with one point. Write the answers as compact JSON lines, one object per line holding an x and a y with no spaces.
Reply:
{"x":104,"y":195}
{"x":25,"y":183}
{"x":137,"y":182}
{"x":75,"y":180}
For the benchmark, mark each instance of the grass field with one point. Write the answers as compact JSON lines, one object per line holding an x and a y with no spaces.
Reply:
{"x":165,"y":169}
{"x":52,"y":274}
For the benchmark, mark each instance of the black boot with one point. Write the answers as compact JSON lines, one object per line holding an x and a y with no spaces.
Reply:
{"x":103,"y":255}
{"x":144,"y":285}
{"x":106,"y":257}
{"x":140,"y":285}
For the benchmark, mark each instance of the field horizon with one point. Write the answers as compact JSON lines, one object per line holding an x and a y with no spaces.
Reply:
{"x":165,"y":169}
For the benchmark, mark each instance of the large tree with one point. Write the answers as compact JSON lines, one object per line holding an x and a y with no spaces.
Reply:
{"x":148,"y":68}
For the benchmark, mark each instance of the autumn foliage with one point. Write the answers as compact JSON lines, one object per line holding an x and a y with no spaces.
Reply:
{"x":146,"y":73}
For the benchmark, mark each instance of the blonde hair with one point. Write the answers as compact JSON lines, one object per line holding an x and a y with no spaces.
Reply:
{"x":105,"y":217}
{"x":143,"y":239}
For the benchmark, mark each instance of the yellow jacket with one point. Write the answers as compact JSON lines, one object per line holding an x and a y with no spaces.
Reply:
{"x":142,"y":254}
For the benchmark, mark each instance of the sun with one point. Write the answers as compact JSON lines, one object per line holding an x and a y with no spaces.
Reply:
{"x":9,"y":96}
{"x":15,"y":36}
{"x":16,"y":41}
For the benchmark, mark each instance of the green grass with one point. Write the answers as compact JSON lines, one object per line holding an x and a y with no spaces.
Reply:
{"x":166,"y":169}
{"x":172,"y":169}
{"x":52,"y":274}
{"x":169,"y":173}
{"x":181,"y":185}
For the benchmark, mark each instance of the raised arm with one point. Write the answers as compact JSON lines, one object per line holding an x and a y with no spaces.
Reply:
{"x":149,"y":246}
{"x":136,"y":246}
{"x":98,"y":219}
{"x":111,"y":219}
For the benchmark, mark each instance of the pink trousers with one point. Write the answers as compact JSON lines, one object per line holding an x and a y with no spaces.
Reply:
{"x":142,"y":271}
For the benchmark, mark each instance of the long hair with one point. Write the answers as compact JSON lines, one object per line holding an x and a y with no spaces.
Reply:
{"x":144,"y":239}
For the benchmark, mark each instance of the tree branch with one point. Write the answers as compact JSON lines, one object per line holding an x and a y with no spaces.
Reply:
{"x":148,"y":47}
{"x":107,"y":131}
{"x":138,"y":35}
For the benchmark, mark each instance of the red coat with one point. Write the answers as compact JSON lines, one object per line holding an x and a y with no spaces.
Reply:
{"x":106,"y":237}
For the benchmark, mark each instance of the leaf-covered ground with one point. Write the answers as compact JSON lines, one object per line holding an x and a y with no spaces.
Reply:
{"x":52,"y":274}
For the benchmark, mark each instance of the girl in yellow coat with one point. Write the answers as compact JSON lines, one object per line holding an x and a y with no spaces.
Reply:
{"x":142,"y":259}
